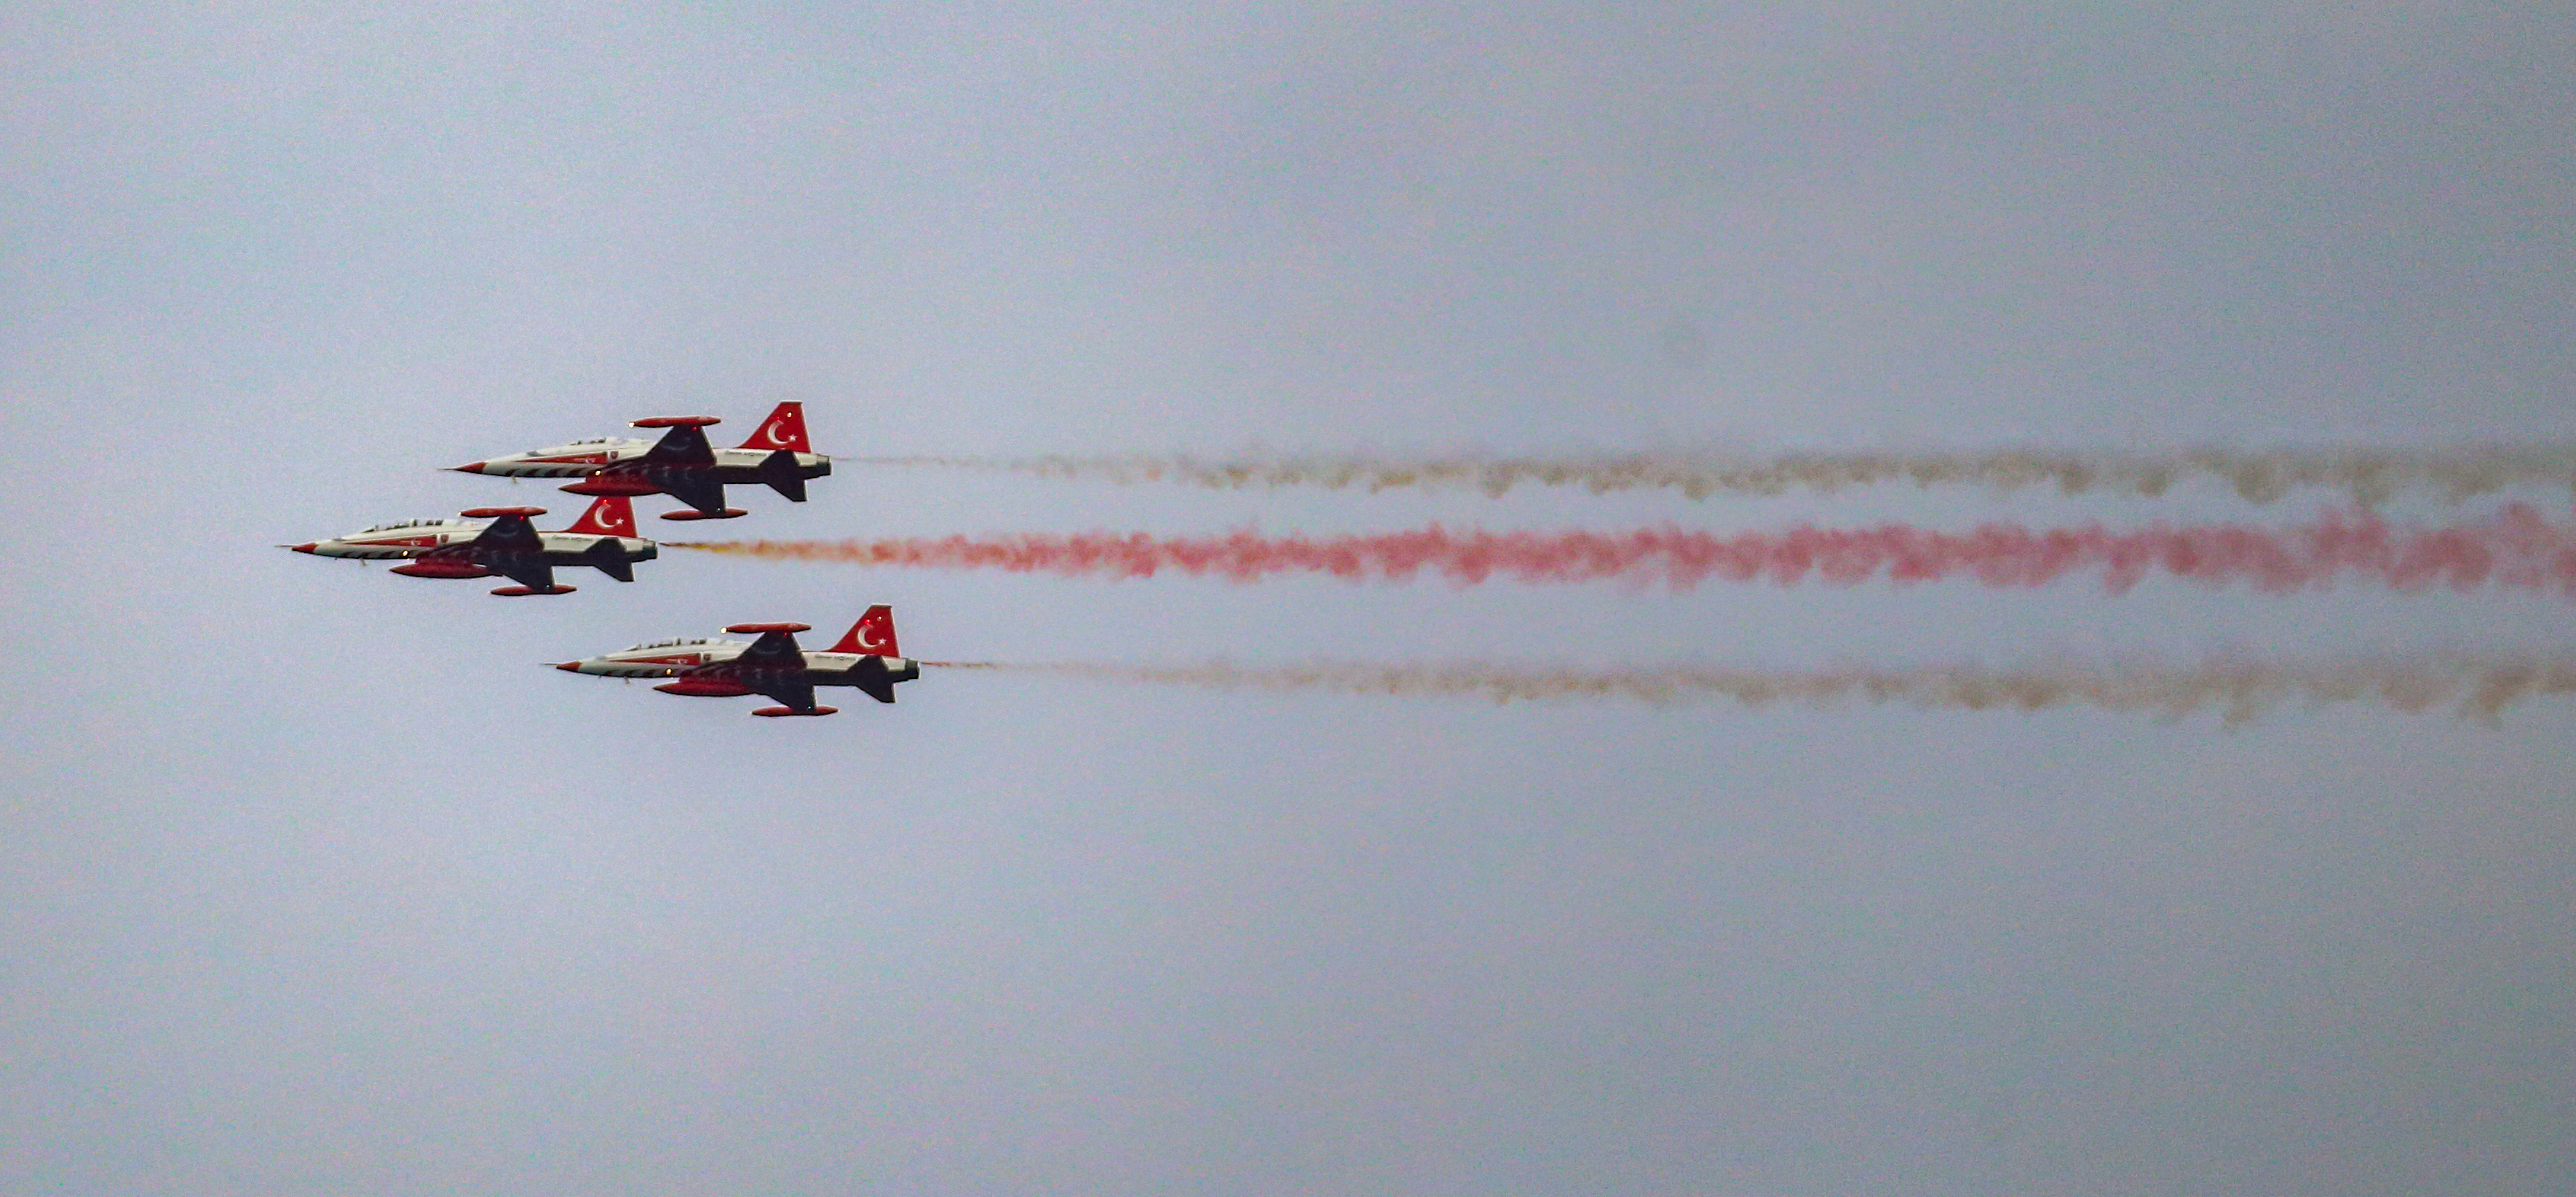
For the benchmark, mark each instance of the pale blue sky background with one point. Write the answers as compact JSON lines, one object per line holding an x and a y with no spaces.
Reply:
{"x":310,"y":882}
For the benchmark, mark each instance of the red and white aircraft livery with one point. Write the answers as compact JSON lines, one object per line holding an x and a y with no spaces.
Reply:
{"x":681,"y":464}
{"x":603,"y":539}
{"x":772,"y":665}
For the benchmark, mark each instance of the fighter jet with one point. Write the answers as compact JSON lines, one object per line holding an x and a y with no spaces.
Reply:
{"x":681,"y":464}
{"x":772,"y":665}
{"x":603,"y":539}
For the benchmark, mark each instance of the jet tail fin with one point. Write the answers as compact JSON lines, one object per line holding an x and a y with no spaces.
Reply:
{"x":612,"y":515}
{"x":784,"y":429}
{"x":873,"y":635}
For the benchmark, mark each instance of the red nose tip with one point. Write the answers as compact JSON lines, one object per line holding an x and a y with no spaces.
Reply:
{"x":305,"y":547}
{"x":570,"y":667}
{"x":471,"y":467}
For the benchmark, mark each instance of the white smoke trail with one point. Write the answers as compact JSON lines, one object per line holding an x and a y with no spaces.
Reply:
{"x":2365,"y":475}
{"x":2477,"y":688}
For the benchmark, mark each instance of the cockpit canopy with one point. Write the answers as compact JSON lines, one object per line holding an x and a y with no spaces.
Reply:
{"x":399,"y":524}
{"x":596,"y":440}
{"x":683,"y":643}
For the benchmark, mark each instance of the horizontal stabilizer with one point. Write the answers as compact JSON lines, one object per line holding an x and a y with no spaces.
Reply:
{"x":780,"y":472}
{"x":876,"y":679}
{"x":609,"y":557}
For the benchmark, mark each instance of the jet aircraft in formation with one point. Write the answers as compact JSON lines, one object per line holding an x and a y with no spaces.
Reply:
{"x":501,"y":540}
{"x":681,"y":464}
{"x":612,"y":470}
{"x":772,"y":665}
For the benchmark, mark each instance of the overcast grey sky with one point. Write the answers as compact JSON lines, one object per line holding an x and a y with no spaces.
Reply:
{"x":311,"y":883}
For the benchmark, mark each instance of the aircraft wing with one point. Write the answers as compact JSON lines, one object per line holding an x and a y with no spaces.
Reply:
{"x":684,"y":444}
{"x":697,"y":490}
{"x":791,"y":691}
{"x":509,"y":533}
{"x":535,"y":575}
{"x":774,"y":650}
{"x":773,"y":665}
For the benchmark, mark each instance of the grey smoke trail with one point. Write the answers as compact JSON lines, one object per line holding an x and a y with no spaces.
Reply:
{"x":2366,"y":475}
{"x":2474,"y":687}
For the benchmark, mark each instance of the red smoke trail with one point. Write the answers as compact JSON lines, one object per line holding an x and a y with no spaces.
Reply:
{"x":2517,"y":548}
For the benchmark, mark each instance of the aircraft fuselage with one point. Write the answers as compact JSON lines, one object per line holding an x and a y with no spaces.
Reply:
{"x":614,"y":455}
{"x":719,"y":658}
{"x":457,"y":537}
{"x":506,"y":544}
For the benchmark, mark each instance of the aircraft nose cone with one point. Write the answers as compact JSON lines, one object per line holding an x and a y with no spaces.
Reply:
{"x":471,"y":467}
{"x":570,"y":667}
{"x":305,"y":547}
